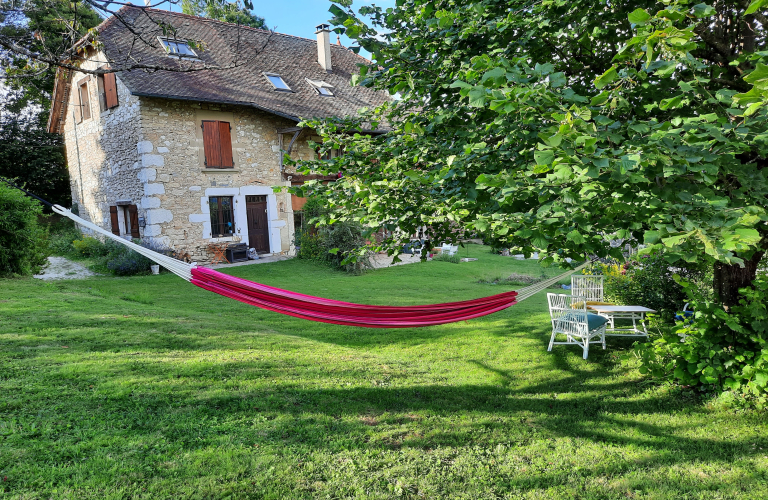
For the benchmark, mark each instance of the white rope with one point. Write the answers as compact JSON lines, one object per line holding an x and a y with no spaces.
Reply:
{"x":177,"y":267}
{"x":529,"y":291}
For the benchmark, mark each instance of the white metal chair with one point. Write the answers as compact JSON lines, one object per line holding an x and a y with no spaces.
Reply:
{"x":449,"y":249}
{"x":589,"y":287}
{"x":570,"y":318}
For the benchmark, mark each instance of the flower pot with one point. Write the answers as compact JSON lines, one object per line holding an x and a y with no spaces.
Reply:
{"x":155,"y":268}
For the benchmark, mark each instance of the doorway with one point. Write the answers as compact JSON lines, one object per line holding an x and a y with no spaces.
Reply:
{"x":258,"y":225}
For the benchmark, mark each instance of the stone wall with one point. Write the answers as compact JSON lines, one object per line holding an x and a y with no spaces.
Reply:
{"x":149,"y":152}
{"x":101,"y":151}
{"x":177,"y":183}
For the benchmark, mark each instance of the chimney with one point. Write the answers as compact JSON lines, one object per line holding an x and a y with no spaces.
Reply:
{"x":324,"y":47}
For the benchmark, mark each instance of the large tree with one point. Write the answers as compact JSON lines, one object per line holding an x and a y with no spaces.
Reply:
{"x":557,"y":126}
{"x":223,"y":11}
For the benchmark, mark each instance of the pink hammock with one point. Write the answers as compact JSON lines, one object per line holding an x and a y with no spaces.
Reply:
{"x":346,"y":313}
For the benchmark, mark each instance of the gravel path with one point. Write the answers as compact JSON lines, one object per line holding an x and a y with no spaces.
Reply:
{"x":383,"y":260}
{"x":60,"y":268}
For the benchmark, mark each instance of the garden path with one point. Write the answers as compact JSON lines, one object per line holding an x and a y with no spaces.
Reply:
{"x":61,"y":268}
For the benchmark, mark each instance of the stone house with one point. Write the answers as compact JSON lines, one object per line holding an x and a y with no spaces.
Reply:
{"x":187,"y":159}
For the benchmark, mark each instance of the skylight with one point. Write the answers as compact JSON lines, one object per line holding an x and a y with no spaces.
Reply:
{"x":321,"y":87}
{"x":178,"y":48}
{"x":277,"y":82}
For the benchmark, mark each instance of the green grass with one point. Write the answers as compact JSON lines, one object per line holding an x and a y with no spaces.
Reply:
{"x":150,"y":388}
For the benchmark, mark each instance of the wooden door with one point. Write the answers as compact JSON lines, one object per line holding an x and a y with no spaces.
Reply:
{"x":258,"y":227}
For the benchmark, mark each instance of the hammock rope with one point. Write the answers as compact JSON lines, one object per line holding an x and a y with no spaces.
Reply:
{"x":326,"y":310}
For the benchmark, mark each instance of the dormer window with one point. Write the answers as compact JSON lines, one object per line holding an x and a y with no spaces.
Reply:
{"x":321,"y":87}
{"x":179,"y":48}
{"x":277,"y":82}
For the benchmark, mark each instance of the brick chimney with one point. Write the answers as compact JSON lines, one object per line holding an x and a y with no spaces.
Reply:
{"x":324,"y":46}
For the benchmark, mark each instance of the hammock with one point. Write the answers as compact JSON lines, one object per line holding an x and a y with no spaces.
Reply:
{"x":326,"y":310}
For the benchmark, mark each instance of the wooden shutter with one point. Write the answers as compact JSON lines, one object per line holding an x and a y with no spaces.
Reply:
{"x":225,"y":140}
{"x":110,"y":90}
{"x":211,"y":143}
{"x":84,"y":101}
{"x":115,"y":223}
{"x":133,"y":213}
{"x":78,"y":106}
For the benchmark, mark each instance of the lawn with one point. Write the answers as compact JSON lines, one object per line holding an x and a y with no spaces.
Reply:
{"x":150,"y":388}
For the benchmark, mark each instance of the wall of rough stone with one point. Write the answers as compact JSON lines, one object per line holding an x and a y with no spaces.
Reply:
{"x":177,"y":183}
{"x":101,"y":151}
{"x":149,"y":152}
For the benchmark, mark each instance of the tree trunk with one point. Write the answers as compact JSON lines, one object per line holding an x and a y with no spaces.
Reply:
{"x":728,"y":278}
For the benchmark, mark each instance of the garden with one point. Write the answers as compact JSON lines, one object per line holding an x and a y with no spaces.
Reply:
{"x":147,"y":387}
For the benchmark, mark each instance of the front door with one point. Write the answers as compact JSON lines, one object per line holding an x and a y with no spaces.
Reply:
{"x":258,"y":227}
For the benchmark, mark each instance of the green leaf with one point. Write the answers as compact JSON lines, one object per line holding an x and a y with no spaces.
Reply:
{"x":545,"y":157}
{"x":557,"y":80}
{"x":477,"y":97}
{"x":753,"y":108}
{"x":600,"y":99}
{"x":651,"y":237}
{"x":575,"y":237}
{"x":703,"y":10}
{"x":672,"y":102}
{"x":760,"y":73}
{"x":755,"y":6}
{"x":606,"y":78}
{"x":460,"y":84}
{"x":639,"y":16}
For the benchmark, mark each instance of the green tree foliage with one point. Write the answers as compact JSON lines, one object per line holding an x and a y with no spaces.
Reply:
{"x":23,"y":242}
{"x":556,"y":126}
{"x":231,"y":12}
{"x":31,"y":156}
{"x":56,"y":25}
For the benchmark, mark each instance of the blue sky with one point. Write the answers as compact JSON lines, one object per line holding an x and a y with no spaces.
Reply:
{"x":299,"y":17}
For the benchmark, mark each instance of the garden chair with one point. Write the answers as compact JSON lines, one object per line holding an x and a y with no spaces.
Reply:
{"x":449,"y":249}
{"x":572,"y":320}
{"x":591,"y":288}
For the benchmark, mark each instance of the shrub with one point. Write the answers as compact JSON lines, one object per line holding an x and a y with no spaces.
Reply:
{"x":309,"y":246}
{"x":23,"y":241}
{"x":649,"y":281}
{"x":89,"y":246}
{"x":123,"y":261}
{"x":62,"y":234}
{"x":346,"y":246}
{"x":726,"y":351}
{"x":444,"y":257}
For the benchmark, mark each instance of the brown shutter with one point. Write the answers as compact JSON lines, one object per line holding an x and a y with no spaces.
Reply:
{"x":78,"y":106}
{"x":84,"y":101}
{"x":110,"y":90}
{"x":211,"y":143}
{"x":133,"y":213}
{"x":225,"y":139}
{"x":115,"y":223}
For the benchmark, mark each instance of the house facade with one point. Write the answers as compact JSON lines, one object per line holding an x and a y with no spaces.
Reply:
{"x":187,"y":159}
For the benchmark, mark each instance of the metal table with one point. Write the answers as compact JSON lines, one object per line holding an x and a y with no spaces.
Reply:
{"x":634,"y":313}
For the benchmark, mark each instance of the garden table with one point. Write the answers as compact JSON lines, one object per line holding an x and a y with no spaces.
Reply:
{"x":634,"y":313}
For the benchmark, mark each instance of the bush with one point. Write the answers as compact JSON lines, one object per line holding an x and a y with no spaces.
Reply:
{"x":62,"y":234}
{"x":123,"y":261}
{"x":649,"y":281}
{"x":89,"y":246}
{"x":23,"y":241}
{"x":309,"y":246}
{"x":726,"y":351}
{"x":444,"y":257}
{"x":345,"y":246}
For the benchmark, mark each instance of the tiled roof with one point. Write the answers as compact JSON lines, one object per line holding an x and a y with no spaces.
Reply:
{"x":255,"y":52}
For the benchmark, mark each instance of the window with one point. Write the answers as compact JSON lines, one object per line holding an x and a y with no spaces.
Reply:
{"x":83,"y":104}
{"x":179,"y":48}
{"x":217,"y":143}
{"x":329,"y":155}
{"x":321,"y":87}
{"x":107,"y":86}
{"x":125,"y":219}
{"x":278,"y":82}
{"x":222,"y":216}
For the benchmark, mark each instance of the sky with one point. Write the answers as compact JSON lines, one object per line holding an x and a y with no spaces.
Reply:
{"x":299,"y":17}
